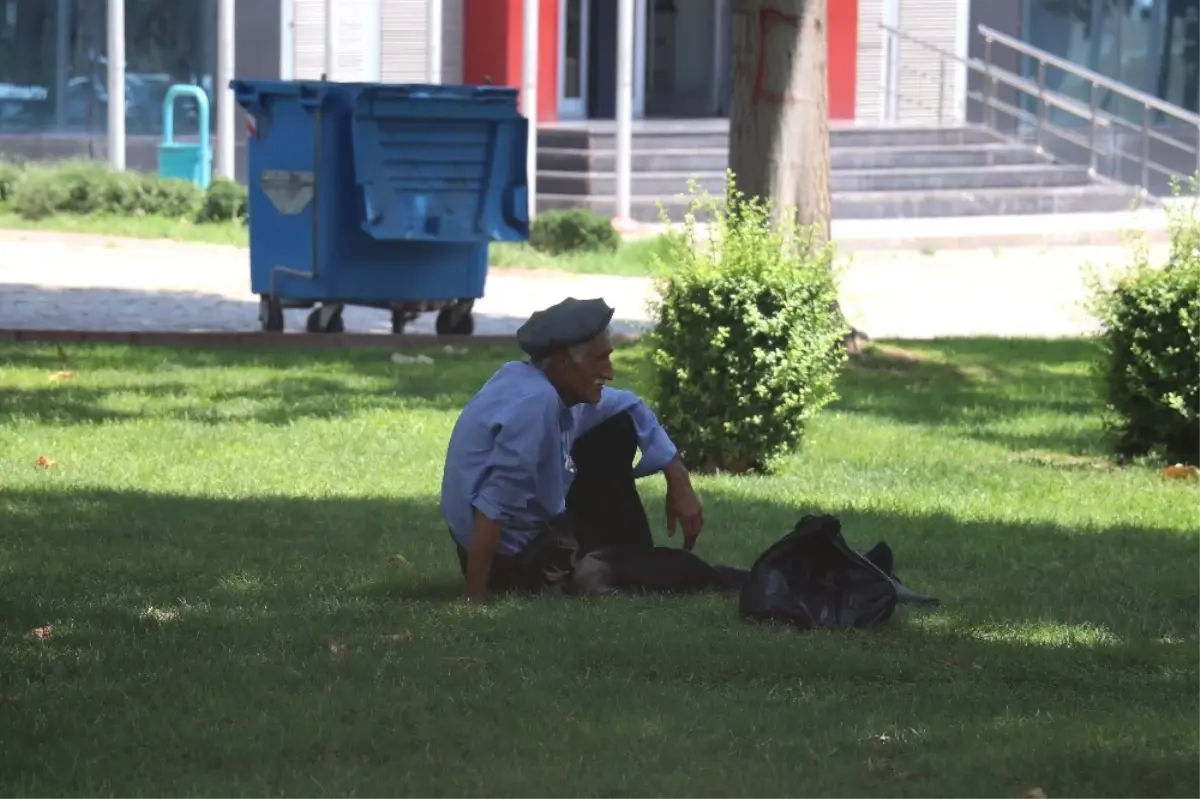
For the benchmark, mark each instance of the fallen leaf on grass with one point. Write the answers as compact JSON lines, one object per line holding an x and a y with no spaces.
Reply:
{"x":59,"y":377}
{"x":45,"y":463}
{"x":881,"y":767}
{"x":396,"y":638}
{"x":1180,"y":472}
{"x":337,"y":648}
{"x":42,"y":633}
{"x":1034,"y":793}
{"x":462,"y":660}
{"x":398,"y":560}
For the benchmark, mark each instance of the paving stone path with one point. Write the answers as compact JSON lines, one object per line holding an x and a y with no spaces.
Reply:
{"x":56,"y":281}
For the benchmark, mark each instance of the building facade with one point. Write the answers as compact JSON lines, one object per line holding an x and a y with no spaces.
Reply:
{"x":53,"y":68}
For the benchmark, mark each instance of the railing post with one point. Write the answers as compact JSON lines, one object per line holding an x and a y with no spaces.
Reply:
{"x":941,"y":90}
{"x":1092,"y":104}
{"x":1041,"y":110}
{"x":1145,"y":150}
{"x":989,"y":114}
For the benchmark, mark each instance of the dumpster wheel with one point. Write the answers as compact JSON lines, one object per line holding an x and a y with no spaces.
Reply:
{"x":270,"y":314}
{"x":456,"y":319}
{"x":401,"y":318}
{"x":326,"y":319}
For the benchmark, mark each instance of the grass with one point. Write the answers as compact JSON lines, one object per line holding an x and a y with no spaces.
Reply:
{"x":234,"y":581}
{"x":634,"y":258}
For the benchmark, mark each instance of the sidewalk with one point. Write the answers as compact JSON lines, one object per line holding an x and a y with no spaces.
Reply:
{"x":59,"y":282}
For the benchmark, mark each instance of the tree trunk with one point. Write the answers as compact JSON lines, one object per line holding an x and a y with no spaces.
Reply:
{"x":779,"y":119}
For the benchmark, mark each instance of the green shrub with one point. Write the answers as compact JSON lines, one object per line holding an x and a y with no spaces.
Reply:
{"x":167,"y":197}
{"x":10,"y":174}
{"x":747,"y":345}
{"x":90,"y":187}
{"x":574,"y":230}
{"x":1150,"y":337}
{"x":225,"y":201}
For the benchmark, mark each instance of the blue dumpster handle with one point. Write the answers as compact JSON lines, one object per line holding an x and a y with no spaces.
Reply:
{"x":173,"y":94}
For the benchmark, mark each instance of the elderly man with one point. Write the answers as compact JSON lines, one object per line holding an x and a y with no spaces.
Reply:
{"x":540,"y":467}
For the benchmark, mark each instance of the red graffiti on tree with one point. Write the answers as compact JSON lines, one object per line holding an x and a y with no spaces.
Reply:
{"x":769,"y":17}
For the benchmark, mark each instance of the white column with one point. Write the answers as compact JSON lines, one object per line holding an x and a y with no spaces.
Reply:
{"x":625,"y":34}
{"x":62,"y":60}
{"x":116,"y":83}
{"x":529,"y":91}
{"x":226,"y":135}
{"x":330,"y":40}
{"x":433,"y":44}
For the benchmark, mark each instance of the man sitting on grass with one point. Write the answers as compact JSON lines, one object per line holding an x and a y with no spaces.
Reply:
{"x":539,"y":470}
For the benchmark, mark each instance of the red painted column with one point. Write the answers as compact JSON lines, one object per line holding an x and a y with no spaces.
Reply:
{"x":492,"y":47}
{"x":842,"y":42}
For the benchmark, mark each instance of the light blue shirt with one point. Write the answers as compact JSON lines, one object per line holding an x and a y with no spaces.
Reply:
{"x":509,"y":454}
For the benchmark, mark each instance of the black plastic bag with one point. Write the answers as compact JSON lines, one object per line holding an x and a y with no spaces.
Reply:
{"x":812,"y":579}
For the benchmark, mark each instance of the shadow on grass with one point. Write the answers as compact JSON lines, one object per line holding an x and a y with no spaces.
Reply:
{"x":980,"y":387}
{"x":269,"y":386}
{"x":269,"y":645}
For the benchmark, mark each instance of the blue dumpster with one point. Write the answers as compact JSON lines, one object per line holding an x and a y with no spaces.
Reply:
{"x":380,"y":195}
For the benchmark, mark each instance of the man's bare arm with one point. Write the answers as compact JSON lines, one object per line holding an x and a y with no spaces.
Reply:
{"x":485,"y":539}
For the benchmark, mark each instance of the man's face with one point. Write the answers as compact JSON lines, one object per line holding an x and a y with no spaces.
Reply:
{"x":582,"y":380}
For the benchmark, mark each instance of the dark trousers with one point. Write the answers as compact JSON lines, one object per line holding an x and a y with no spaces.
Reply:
{"x":604,"y":510}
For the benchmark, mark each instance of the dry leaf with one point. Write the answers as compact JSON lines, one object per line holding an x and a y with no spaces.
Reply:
{"x":1180,"y":472}
{"x":42,"y":633}
{"x":59,"y":377}
{"x":881,"y":766}
{"x":337,"y":647}
{"x":398,"y":560}
{"x":396,"y":638}
{"x":1034,"y":793}
{"x":45,"y":463}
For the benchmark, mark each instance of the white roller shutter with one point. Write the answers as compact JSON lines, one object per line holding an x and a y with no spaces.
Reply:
{"x":922,"y":74}
{"x":308,"y":38}
{"x":868,"y":98}
{"x":355,"y":31}
{"x":403,"y":36}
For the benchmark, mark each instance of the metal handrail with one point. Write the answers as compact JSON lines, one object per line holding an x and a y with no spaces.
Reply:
{"x":1090,"y":112}
{"x":1123,"y":89}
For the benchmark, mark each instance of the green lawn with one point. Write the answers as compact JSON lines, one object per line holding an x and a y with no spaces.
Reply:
{"x":634,"y":258}
{"x":214,"y":556}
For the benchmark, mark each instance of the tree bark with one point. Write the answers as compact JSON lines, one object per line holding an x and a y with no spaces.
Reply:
{"x":779,"y":117}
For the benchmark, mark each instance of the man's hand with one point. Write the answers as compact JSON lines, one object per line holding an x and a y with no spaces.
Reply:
{"x":683,"y":506}
{"x":485,"y":539}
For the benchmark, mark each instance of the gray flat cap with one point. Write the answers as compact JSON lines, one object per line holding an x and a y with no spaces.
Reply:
{"x":568,"y":323}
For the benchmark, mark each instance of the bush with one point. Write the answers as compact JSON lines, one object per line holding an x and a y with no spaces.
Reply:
{"x":225,"y":201}
{"x":747,"y":346}
{"x":167,"y":197}
{"x":90,"y":187}
{"x":575,"y":230}
{"x":1150,"y":337}
{"x":10,"y":174}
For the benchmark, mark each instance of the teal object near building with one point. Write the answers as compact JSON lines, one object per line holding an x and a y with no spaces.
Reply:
{"x":190,"y":161}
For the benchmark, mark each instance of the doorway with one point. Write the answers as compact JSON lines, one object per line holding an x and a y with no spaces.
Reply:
{"x":587,"y":59}
{"x":573,"y":46}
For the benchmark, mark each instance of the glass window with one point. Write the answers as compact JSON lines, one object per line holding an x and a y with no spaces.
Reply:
{"x":53,"y":65}
{"x":1178,"y":72}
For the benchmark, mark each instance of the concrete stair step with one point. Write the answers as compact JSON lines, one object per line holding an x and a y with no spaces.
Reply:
{"x":716,"y":159}
{"x":704,"y":134}
{"x":669,"y":184}
{"x":899,"y":204}
{"x":935,"y":156}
